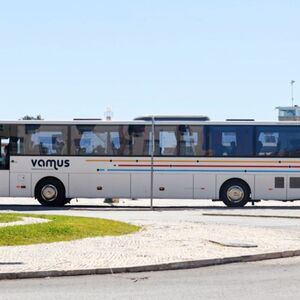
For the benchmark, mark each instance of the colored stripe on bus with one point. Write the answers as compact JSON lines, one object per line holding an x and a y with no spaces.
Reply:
{"x":280,"y":161}
{"x":205,"y":166}
{"x":203,"y":171}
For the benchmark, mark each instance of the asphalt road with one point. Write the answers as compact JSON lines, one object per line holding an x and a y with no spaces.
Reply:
{"x":274,"y":279}
{"x":168,"y":211}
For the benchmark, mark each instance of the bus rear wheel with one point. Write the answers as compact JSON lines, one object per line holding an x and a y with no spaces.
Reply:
{"x":50,"y":192}
{"x":235,"y":193}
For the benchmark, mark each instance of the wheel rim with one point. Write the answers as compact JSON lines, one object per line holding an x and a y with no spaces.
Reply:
{"x":49,"y":192}
{"x":235,"y":194}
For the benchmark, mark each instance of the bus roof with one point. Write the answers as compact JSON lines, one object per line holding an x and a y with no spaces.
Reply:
{"x":141,"y":122}
{"x":173,"y":118}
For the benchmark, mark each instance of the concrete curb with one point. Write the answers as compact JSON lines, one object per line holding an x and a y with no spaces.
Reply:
{"x":249,"y":216}
{"x":151,"y":268}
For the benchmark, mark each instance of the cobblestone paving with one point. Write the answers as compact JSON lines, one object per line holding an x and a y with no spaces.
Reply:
{"x":155,"y":243}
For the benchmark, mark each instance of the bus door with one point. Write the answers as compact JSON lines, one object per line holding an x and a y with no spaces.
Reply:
{"x":4,"y":166}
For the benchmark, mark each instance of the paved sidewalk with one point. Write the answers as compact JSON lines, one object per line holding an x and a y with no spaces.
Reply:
{"x":154,"y":244}
{"x":157,"y":243}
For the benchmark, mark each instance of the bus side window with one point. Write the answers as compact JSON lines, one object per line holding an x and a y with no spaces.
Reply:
{"x":2,"y":154}
{"x":188,"y":140}
{"x":259,"y":146}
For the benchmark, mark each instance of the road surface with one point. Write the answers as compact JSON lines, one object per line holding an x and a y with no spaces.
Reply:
{"x":274,"y":279}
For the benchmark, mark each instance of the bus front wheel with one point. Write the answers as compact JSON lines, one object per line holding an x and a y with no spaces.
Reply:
{"x":235,"y":193}
{"x":50,"y":192}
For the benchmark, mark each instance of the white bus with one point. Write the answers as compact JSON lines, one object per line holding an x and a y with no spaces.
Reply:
{"x":235,"y":162}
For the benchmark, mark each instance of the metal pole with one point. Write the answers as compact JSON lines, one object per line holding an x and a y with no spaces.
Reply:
{"x":292,"y":91}
{"x":152,"y":163}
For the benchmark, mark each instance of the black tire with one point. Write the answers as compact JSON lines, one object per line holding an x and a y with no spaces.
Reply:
{"x":50,"y":192}
{"x":235,"y":193}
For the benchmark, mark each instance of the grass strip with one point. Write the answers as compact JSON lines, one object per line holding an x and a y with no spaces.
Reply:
{"x":8,"y":218}
{"x":60,"y":228}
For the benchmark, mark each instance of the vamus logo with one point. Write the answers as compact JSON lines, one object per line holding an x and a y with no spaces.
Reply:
{"x":50,"y":163}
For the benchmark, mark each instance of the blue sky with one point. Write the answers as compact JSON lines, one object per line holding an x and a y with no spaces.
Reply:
{"x":225,"y":59}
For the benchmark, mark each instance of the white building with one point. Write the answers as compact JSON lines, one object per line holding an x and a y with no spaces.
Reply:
{"x":288,"y":113}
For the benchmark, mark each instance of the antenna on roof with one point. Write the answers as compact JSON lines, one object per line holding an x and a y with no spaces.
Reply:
{"x":108,"y":114}
{"x":292,"y":91}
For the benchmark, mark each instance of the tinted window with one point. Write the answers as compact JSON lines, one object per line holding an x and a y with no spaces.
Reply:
{"x":166,"y":140}
{"x":230,"y":141}
{"x":278,"y":141}
{"x":191,"y":140}
{"x":42,"y":140}
{"x":14,"y":142}
{"x":180,"y":140}
{"x":4,"y":146}
{"x":110,"y":140}
{"x":132,"y":140}
{"x":88,"y":140}
{"x":140,"y":140}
